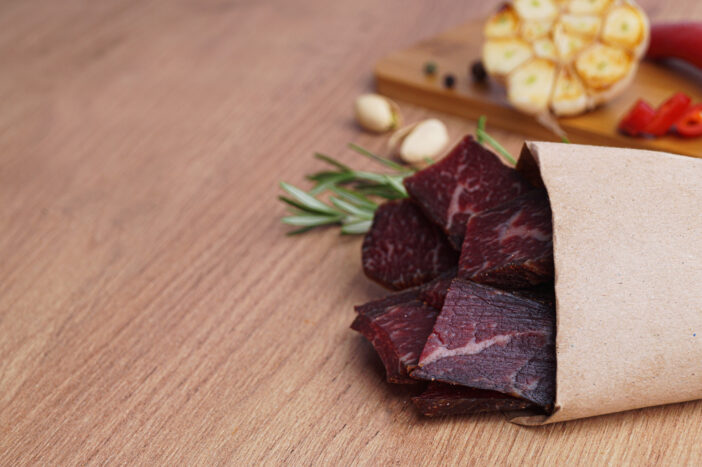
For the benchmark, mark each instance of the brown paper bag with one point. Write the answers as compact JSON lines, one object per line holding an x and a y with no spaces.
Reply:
{"x":627,"y":239}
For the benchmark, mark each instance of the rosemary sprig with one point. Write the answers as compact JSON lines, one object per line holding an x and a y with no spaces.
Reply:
{"x":352,"y":194}
{"x":483,"y":137}
{"x":349,"y":191}
{"x":386,"y":162}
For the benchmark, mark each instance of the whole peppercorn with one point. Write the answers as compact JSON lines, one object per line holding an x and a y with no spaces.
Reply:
{"x":430,"y":68}
{"x":449,"y":81}
{"x":477,"y":71}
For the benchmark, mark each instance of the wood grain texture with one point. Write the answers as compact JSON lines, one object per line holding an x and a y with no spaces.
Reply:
{"x":400,"y":76}
{"x":152,"y":310}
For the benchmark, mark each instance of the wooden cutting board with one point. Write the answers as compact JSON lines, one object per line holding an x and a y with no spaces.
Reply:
{"x":400,"y":76}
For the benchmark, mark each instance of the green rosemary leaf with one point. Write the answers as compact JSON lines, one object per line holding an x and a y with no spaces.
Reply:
{"x":331,"y":161}
{"x":380,"y":191}
{"x":329,"y":182}
{"x":352,"y":209}
{"x":397,"y":185}
{"x":371,"y":177}
{"x":356,"y":198}
{"x":481,"y":129}
{"x":351,"y":219}
{"x":311,"y":220}
{"x":325,"y":175}
{"x":297,"y":205}
{"x":386,"y":162}
{"x":499,"y":148}
{"x":356,"y":228}
{"x":482,"y":136}
{"x":392,"y":181}
{"x":320,"y":188}
{"x":310,"y":202}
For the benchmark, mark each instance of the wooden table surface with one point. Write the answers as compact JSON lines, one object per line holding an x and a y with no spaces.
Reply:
{"x":152,"y":310}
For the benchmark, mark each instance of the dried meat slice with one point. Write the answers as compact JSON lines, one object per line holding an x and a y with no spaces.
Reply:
{"x":544,"y":293}
{"x":434,"y":293}
{"x":376,"y":307}
{"x":490,"y":339}
{"x":511,"y":245}
{"x":441,"y":399}
{"x":398,"y":325}
{"x":470,"y":179}
{"x":403,"y":248}
{"x":398,"y":333}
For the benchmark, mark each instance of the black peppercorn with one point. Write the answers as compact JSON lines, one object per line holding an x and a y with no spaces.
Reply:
{"x":430,"y":68}
{"x":449,"y":81}
{"x":477,"y":71}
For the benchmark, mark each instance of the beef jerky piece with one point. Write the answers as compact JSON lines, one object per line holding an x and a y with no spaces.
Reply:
{"x":470,"y":179}
{"x":441,"y":399}
{"x":511,"y":245}
{"x":399,"y":351}
{"x":544,"y":293}
{"x":403,"y":248}
{"x":398,"y":325}
{"x":378,"y":306}
{"x":398,"y":333}
{"x":434,"y":292}
{"x":486,"y":338}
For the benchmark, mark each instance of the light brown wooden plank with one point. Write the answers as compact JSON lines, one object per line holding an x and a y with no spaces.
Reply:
{"x":152,"y":310}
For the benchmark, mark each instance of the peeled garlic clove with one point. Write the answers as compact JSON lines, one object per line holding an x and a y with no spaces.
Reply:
{"x":377,"y":113}
{"x":426,"y":140}
{"x":398,"y":136}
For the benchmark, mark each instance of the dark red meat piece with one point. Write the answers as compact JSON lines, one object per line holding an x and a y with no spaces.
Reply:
{"x":489,"y":339}
{"x":434,"y":293}
{"x":403,"y":248}
{"x":441,"y":399}
{"x":544,"y":293}
{"x":511,"y":245}
{"x":377,"y":306}
{"x":398,"y":325}
{"x":397,"y":333}
{"x":470,"y":179}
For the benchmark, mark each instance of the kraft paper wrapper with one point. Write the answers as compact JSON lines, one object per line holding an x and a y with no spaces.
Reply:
{"x":627,"y":239}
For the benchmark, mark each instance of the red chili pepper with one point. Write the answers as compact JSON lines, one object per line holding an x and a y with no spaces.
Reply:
{"x":690,"y":125}
{"x":667,"y":114}
{"x":638,"y":117}
{"x":677,"y":40}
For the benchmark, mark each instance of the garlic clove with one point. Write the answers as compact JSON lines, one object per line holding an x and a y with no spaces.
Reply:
{"x":377,"y":113}
{"x":425,"y":140}
{"x":399,"y":135}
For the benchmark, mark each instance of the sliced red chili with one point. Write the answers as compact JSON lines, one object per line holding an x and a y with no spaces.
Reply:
{"x":638,"y":117}
{"x":667,"y":114}
{"x":690,"y":125}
